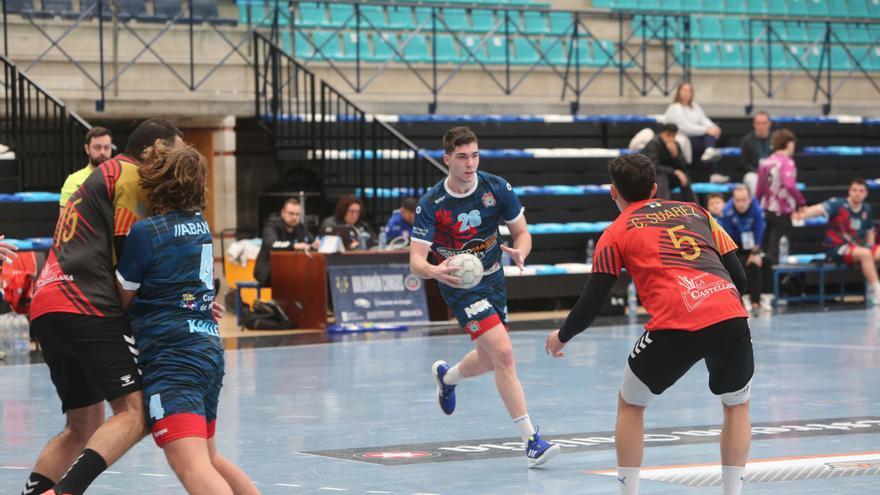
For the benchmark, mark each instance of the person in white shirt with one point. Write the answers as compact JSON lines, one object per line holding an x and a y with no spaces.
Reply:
{"x":690,"y":118}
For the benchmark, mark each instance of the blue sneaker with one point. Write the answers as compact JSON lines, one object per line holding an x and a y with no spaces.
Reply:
{"x":445,"y":393}
{"x":539,"y":451}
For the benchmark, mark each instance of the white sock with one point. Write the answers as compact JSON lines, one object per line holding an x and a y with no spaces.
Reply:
{"x":628,"y":480}
{"x":876,"y":289}
{"x":732,"y":479}
{"x":452,"y":376}
{"x":524,"y":425}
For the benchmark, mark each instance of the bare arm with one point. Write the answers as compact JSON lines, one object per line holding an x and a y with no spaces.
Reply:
{"x":418,"y":264}
{"x":871,"y":237}
{"x":814,"y":211}
{"x":125,"y":296}
{"x":522,"y":241}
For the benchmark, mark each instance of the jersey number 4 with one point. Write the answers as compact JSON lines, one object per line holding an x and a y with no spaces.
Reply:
{"x":678,"y":241}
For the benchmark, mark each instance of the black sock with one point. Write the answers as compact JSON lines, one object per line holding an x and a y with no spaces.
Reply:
{"x":37,"y":484}
{"x":82,"y":473}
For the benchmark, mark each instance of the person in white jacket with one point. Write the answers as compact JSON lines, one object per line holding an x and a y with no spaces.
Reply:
{"x":690,"y":118}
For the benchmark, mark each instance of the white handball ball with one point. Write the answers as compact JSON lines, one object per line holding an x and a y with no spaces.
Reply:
{"x":469,"y":269}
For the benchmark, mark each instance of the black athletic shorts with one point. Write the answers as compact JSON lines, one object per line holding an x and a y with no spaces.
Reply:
{"x":90,"y":359}
{"x":661,"y":357}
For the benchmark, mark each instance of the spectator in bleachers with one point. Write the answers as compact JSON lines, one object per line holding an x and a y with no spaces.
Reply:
{"x":98,"y":147}
{"x":777,"y":191}
{"x":348,"y":212}
{"x":850,"y":236}
{"x":754,"y":147}
{"x":283,"y":230}
{"x":401,"y":221}
{"x":743,"y":220}
{"x":703,"y":133}
{"x":670,"y":164}
{"x":715,"y":205}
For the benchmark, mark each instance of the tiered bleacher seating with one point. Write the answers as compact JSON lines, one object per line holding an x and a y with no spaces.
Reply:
{"x":162,"y":10}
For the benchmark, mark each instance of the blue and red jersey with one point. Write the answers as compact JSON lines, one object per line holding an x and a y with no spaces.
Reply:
{"x":846,"y":226}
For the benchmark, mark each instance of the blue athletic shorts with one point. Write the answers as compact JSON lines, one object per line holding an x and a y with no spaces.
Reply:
{"x":479,"y":308}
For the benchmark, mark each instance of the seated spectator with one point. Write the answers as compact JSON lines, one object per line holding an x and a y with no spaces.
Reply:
{"x":777,"y":191}
{"x":743,"y":220}
{"x":754,"y":147}
{"x":98,"y":147}
{"x":348,"y":212}
{"x":850,"y":236}
{"x":401,"y":221}
{"x":283,"y":230}
{"x":703,"y":133}
{"x":715,"y":205}
{"x":669,"y":163}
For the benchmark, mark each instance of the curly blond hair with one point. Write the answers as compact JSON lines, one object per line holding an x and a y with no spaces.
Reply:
{"x":174,"y":179}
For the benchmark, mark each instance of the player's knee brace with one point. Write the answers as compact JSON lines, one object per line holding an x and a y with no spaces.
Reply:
{"x":633,"y":391}
{"x":739,"y":397}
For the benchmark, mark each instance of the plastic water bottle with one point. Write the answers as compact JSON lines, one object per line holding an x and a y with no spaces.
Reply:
{"x":21,"y":335}
{"x":383,"y":239}
{"x":632,"y":301}
{"x":591,"y":250}
{"x":363,"y":237}
{"x":5,"y":336}
{"x":783,"y":250}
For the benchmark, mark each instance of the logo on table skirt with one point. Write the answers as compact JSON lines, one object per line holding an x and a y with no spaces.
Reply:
{"x":412,"y":283}
{"x":488,"y":200}
{"x":342,"y":284}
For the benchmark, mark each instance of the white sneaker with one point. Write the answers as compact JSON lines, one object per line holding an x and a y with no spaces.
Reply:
{"x":710,"y":154}
{"x":719,"y":179}
{"x":767,"y":302}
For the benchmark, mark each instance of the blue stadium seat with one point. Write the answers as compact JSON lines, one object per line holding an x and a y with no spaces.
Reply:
{"x":372,"y":15}
{"x":797,"y":8}
{"x":456,"y":19}
{"x":447,"y":49}
{"x":20,"y":6}
{"x":327,"y":45}
{"x":416,"y":51}
{"x":756,"y":7}
{"x":561,"y":23}
{"x":857,"y":8}
{"x":91,"y":6}
{"x":382,"y":47}
{"x":165,"y":10}
{"x":817,"y":8}
{"x":354,"y":45}
{"x":482,"y":21}
{"x":206,"y":11}
{"x":311,"y":15}
{"x":535,"y":22}
{"x":342,"y":15}
{"x":401,"y":18}
{"x":732,"y":29}
{"x":524,"y":52}
{"x":554,"y":50}
{"x":58,"y":7}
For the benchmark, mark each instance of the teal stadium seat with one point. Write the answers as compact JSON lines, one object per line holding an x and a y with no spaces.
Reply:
{"x":874,"y":58}
{"x":796,"y":32}
{"x":840,"y":60}
{"x":858,"y":33}
{"x":777,"y":7}
{"x":736,"y":7}
{"x":497,"y":49}
{"x":561,"y":23}
{"x":604,"y":52}
{"x":759,"y":58}
{"x":857,"y":8}
{"x":401,"y":18}
{"x":785,"y":59}
{"x":730,"y":56}
{"x":671,"y":6}
{"x":841,"y":31}
{"x":373,"y":14}
{"x":447,"y":49}
{"x":873,"y":8}
{"x":416,"y":51}
{"x":353,"y":45}
{"x":472,"y":49}
{"x":705,"y":56}
{"x":838,"y":8}
{"x":714,"y":6}
{"x":709,"y":28}
{"x":311,"y":15}
{"x":382,"y":47}
{"x":423,"y":18}
{"x":817,"y":8}
{"x":303,"y":48}
{"x":525,"y":52}
{"x":456,"y":19}
{"x":554,"y":50}
{"x":483,"y":21}
{"x":535,"y":22}
{"x":798,"y":8}
{"x":327,"y":45}
{"x":652,"y":5}
{"x":342,"y":15}
{"x":756,"y":7}
{"x":732,"y":29}
{"x":251,"y":12}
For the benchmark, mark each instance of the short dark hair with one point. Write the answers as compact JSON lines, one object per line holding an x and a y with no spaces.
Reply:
{"x":410,"y":204}
{"x":634,"y":176}
{"x":290,"y":201}
{"x":146,"y":134}
{"x":668,"y":128}
{"x":457,"y":136}
{"x":780,"y":139}
{"x":96,"y":132}
{"x":713,"y":196}
{"x":859,"y":181}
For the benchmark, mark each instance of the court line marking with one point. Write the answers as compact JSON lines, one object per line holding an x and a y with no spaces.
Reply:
{"x":333,"y":489}
{"x":288,"y":484}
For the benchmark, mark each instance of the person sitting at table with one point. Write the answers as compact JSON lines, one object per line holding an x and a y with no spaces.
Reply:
{"x":347,"y":213}
{"x":401,"y":221}
{"x":283,"y":230}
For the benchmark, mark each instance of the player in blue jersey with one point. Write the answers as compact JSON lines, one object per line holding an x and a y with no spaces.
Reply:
{"x":460,"y":214}
{"x":166,"y":280}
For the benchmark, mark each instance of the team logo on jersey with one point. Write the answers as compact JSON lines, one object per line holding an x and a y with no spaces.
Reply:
{"x":418,"y":210}
{"x":476,"y":247}
{"x":653,"y":204}
{"x":698,"y":290}
{"x":473,"y":326}
{"x":489,"y":199}
{"x":188,"y":301}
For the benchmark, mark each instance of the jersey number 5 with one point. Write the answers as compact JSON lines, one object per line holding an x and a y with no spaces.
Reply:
{"x":677,"y":241}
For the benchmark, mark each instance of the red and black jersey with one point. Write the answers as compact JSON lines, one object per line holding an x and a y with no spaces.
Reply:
{"x":673,"y":251}
{"x":79,"y":276}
